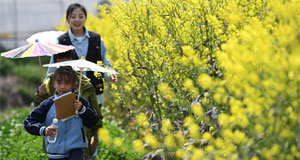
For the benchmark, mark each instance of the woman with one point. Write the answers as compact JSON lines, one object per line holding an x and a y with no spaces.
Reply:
{"x":87,"y":44}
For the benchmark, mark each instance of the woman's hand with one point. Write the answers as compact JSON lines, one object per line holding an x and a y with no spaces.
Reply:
{"x":51,"y":131}
{"x":77,"y":105}
{"x":42,"y":89}
{"x":113,"y":78}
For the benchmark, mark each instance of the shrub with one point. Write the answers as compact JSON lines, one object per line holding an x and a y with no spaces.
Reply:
{"x":224,"y":73}
{"x":6,"y":66}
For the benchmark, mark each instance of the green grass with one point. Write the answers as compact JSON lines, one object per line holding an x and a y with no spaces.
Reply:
{"x":17,"y":144}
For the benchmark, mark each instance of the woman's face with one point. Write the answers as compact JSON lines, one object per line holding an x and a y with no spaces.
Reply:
{"x":77,"y":19}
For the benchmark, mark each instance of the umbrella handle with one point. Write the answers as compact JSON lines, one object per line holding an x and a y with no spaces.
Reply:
{"x":79,"y":86}
{"x":42,"y":79}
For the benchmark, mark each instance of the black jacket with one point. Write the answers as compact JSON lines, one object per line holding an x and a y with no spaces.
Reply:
{"x":93,"y":55}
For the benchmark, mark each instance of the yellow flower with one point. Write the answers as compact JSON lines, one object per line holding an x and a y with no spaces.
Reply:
{"x":152,"y":141}
{"x":227,"y":134}
{"x":98,"y":75}
{"x":286,"y":134}
{"x":180,"y":138}
{"x":118,"y":141}
{"x":242,"y":119}
{"x":275,"y":149}
{"x":259,"y":130}
{"x":166,"y":126}
{"x":295,"y":151}
{"x":170,"y":141}
{"x":239,"y":137}
{"x":185,"y":60}
{"x":181,"y":154}
{"x":209,"y":148}
{"x":224,"y":119}
{"x":205,"y":81}
{"x":194,"y":131}
{"x":142,"y":120}
{"x":100,"y":63}
{"x":197,"y":110}
{"x":219,"y":96}
{"x":138,"y":146}
{"x":207,"y":136}
{"x":198,"y":154}
{"x":254,"y":158}
{"x":188,"y":121}
{"x":166,"y":91}
{"x":219,"y":143}
{"x":188,"y":51}
{"x":104,"y":135}
{"x":189,"y":86}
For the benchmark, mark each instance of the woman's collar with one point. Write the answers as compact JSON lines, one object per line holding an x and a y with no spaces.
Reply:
{"x":72,"y":36}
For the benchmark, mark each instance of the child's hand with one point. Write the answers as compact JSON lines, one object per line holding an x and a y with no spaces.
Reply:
{"x":42,"y":89}
{"x":51,"y":131}
{"x":77,"y":105}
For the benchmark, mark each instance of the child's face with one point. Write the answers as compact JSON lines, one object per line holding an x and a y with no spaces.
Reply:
{"x":77,"y":19}
{"x":63,"y":85}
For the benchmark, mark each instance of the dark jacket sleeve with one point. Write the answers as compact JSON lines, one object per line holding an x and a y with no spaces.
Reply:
{"x":35,"y":120}
{"x":89,"y":115}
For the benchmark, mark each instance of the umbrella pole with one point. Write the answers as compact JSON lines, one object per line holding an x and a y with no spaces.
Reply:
{"x":42,"y":79}
{"x":79,"y":86}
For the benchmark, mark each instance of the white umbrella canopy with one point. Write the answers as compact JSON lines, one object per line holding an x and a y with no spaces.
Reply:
{"x":45,"y":36}
{"x":82,"y":65}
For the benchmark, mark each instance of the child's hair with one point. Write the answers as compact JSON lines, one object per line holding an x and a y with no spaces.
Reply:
{"x":66,"y":73}
{"x":74,"y":6}
{"x":68,"y":54}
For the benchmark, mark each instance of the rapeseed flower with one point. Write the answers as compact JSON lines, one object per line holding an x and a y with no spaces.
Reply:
{"x":166,"y":126}
{"x":118,"y":141}
{"x":138,"y":146}
{"x":104,"y":135}
{"x":166,"y":91}
{"x":197,"y":110}
{"x":170,"y":141}
{"x":180,"y":138}
{"x":194,"y":131}
{"x":207,"y":136}
{"x":152,"y":141}
{"x":205,"y":81}
{"x":142,"y":120}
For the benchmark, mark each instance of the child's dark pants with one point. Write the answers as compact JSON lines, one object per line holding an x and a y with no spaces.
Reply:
{"x":75,"y":154}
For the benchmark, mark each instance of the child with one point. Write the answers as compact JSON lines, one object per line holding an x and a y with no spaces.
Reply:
{"x":87,"y":91}
{"x":70,"y":134}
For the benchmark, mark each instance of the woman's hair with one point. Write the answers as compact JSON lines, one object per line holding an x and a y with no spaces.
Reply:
{"x":74,"y":6}
{"x":66,"y":73}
